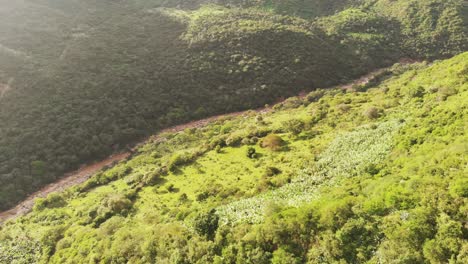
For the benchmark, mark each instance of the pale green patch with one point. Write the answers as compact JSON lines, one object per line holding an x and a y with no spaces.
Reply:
{"x":350,"y":154}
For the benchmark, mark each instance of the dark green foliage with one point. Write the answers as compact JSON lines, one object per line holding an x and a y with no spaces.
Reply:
{"x":206,"y":223}
{"x":180,"y":159}
{"x":113,"y":205}
{"x":272,"y":171}
{"x":315,"y":96}
{"x":294,"y":126}
{"x":416,"y":92}
{"x":251,"y":153}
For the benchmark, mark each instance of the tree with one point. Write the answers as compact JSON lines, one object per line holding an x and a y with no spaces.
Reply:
{"x":206,"y":223}
{"x":38,"y":168}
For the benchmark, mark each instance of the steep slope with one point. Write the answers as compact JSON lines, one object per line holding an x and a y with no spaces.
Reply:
{"x":82,"y":79}
{"x":372,"y":174}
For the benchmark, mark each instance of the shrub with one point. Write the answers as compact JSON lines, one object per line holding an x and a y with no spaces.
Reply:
{"x":202,"y":196}
{"x":53,"y":200}
{"x":281,"y":256}
{"x":318,"y":113}
{"x":253,"y":140}
{"x":118,"y":204}
{"x":170,"y":187}
{"x":183,"y":198}
{"x":217,"y":141}
{"x":293,"y":102}
{"x":315,"y":96}
{"x":373,"y":112}
{"x":218,"y":149}
{"x":260,"y":120}
{"x":208,"y":191}
{"x":294,"y":126}
{"x":245,"y":141}
{"x":134,"y":179}
{"x":151,"y":178}
{"x":180,"y":159}
{"x":234,"y":140}
{"x":272,"y":171}
{"x":417,"y":92}
{"x":459,"y":188}
{"x":343,"y":108}
{"x":273,"y":142}
{"x":251,"y":153}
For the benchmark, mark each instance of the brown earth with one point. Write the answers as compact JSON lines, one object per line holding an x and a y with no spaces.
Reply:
{"x":4,"y":88}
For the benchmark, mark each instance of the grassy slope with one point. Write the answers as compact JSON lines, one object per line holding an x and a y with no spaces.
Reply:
{"x":386,"y":169}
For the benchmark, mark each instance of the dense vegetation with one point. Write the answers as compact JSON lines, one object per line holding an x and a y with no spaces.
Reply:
{"x":374,"y":174}
{"x":82,"y":79}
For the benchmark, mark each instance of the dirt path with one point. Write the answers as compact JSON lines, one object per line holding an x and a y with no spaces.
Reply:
{"x":84,"y":173}
{"x":4,"y":88}
{"x":69,"y":180}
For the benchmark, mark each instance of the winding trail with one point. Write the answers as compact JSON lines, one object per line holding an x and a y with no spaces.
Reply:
{"x":69,"y":180}
{"x":4,"y":88}
{"x":85,"y":172}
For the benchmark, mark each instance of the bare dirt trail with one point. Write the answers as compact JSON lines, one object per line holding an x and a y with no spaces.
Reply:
{"x":69,"y":180}
{"x":4,"y":88}
{"x":84,"y":173}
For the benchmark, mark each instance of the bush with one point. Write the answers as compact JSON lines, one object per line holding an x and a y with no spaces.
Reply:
{"x":53,"y":200}
{"x":118,"y":204}
{"x":151,"y":178}
{"x":206,"y":223}
{"x":272,"y":171}
{"x":294,"y":126}
{"x":217,"y":141}
{"x":417,"y":92}
{"x":373,"y":113}
{"x":318,"y":113}
{"x":218,"y":149}
{"x":170,"y":187}
{"x":245,"y":141}
{"x":183,"y":198}
{"x":459,"y":188}
{"x":234,"y":140}
{"x":251,"y":153}
{"x":293,"y":102}
{"x":180,"y":159}
{"x":344,"y":108}
{"x":273,"y":142}
{"x":315,"y":96}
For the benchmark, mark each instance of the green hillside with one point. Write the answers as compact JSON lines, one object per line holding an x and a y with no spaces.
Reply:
{"x":376,"y":174}
{"x":87,"y":78}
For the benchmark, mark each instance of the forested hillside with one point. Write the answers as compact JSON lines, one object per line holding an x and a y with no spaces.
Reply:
{"x":82,"y":79}
{"x":371,"y":174}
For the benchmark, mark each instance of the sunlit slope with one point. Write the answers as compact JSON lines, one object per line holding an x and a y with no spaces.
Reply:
{"x":356,"y":177}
